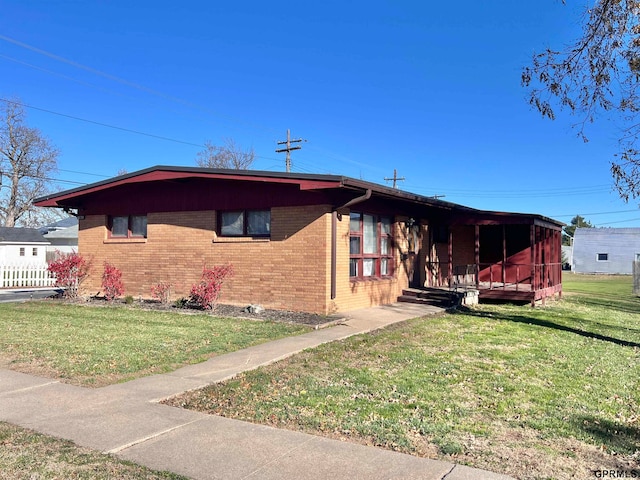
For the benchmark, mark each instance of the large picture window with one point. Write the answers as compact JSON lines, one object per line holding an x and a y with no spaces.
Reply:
{"x":245,"y":223}
{"x":128,"y":226}
{"x":370,"y":247}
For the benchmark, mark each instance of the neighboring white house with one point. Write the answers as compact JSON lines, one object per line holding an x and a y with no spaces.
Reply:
{"x":567,"y":252}
{"x":605,"y":250}
{"x":62,"y":236}
{"x":22,"y":246}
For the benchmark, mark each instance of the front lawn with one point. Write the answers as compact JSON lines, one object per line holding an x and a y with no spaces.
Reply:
{"x":550,"y":392}
{"x":96,"y":346}
{"x":28,"y":455}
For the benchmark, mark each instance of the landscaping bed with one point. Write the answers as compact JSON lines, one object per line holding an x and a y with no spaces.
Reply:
{"x":219,"y":310}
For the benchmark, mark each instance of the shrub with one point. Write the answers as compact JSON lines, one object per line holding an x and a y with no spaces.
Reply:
{"x":181,"y":302}
{"x":206,"y":293}
{"x":128,"y":300}
{"x":112,"y":282}
{"x":161,"y":292}
{"x":70,"y":269}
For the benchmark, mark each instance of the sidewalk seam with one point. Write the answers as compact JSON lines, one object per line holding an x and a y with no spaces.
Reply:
{"x":150,"y":437}
{"x":251,"y":474}
{"x":31,"y":388}
{"x":449,"y":472}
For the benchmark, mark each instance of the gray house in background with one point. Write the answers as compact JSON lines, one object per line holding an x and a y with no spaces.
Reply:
{"x":606,"y":250}
{"x":62,"y":236}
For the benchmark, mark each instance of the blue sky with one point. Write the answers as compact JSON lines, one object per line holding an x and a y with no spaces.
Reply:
{"x":431,"y":89}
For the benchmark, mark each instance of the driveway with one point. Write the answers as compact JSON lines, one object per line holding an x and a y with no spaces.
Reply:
{"x":27,"y":293}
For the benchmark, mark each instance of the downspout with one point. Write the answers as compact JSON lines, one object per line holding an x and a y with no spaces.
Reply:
{"x":334,"y":238}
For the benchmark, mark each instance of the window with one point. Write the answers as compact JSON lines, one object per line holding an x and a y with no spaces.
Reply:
{"x":603,"y":257}
{"x":128,"y":226}
{"x":370,"y":250}
{"x":22,"y":251}
{"x":245,"y":223}
{"x":34,"y":251}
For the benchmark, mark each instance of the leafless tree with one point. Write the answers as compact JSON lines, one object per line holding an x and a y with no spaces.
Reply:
{"x":598,"y":73}
{"x":27,"y":161}
{"x":230,"y":155}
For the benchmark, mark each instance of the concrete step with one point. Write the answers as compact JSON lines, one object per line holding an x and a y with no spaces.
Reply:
{"x":439,"y":301}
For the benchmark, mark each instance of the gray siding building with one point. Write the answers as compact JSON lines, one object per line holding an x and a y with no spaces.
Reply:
{"x":605,"y":250}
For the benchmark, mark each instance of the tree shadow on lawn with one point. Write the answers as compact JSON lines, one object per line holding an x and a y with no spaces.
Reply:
{"x":549,"y":324}
{"x":614,"y":436}
{"x":610,"y":301}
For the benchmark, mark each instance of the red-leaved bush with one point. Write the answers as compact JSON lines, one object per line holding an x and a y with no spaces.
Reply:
{"x":112,"y":282}
{"x":70,"y":269}
{"x":206,"y":293}
{"x":161,"y":291}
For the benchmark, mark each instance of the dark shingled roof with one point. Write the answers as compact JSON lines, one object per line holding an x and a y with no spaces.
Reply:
{"x":20,"y":235}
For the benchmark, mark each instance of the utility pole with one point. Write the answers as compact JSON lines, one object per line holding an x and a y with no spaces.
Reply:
{"x":395,"y":178}
{"x":288,"y":149}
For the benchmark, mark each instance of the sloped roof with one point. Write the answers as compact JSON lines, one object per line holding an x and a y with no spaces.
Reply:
{"x":607,"y":232}
{"x":20,"y":235}
{"x":305,"y":181}
{"x":64,"y":223}
{"x":70,"y":232}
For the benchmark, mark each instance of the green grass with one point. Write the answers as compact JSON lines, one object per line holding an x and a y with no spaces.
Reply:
{"x":28,"y":455}
{"x":536,"y":393}
{"x":95,"y":346}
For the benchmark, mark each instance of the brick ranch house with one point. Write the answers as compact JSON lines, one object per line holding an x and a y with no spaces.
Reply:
{"x":316,"y":243}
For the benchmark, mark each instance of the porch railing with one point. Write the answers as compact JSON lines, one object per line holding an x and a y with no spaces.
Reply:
{"x":25,"y":275}
{"x":513,"y":276}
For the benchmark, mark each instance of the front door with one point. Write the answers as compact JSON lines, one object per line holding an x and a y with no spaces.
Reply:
{"x":414,"y":256}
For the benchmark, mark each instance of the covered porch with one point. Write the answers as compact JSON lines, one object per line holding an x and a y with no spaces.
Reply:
{"x":511,"y":257}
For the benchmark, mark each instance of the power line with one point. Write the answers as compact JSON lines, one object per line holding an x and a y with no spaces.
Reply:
{"x":94,"y":122}
{"x":66,"y":77}
{"x":160,"y":137}
{"x":621,"y":221}
{"x":594,"y":213}
{"x":127,"y":83}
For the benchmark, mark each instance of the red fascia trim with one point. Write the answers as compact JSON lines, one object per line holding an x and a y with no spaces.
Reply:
{"x":162,"y":175}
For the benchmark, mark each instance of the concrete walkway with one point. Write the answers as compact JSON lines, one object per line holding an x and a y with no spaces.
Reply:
{"x":127,"y":420}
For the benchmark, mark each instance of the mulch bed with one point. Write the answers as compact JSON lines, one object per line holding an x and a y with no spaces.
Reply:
{"x":220,"y":310}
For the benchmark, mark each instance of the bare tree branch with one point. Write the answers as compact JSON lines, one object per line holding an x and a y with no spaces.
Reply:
{"x":598,"y":73}
{"x":230,"y":156}
{"x":27,"y":160}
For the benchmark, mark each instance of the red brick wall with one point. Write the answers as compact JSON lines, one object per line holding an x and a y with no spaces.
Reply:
{"x":291,"y":270}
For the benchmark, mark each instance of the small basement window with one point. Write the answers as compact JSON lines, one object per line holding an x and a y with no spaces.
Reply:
{"x":603,"y":257}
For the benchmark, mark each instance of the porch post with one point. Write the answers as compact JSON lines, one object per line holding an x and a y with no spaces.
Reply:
{"x":504,"y":257}
{"x":429,"y":258}
{"x":532,"y":246}
{"x":477,"y":254}
{"x":450,"y":252}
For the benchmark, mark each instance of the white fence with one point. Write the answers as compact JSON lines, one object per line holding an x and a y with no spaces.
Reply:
{"x":12,"y":276}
